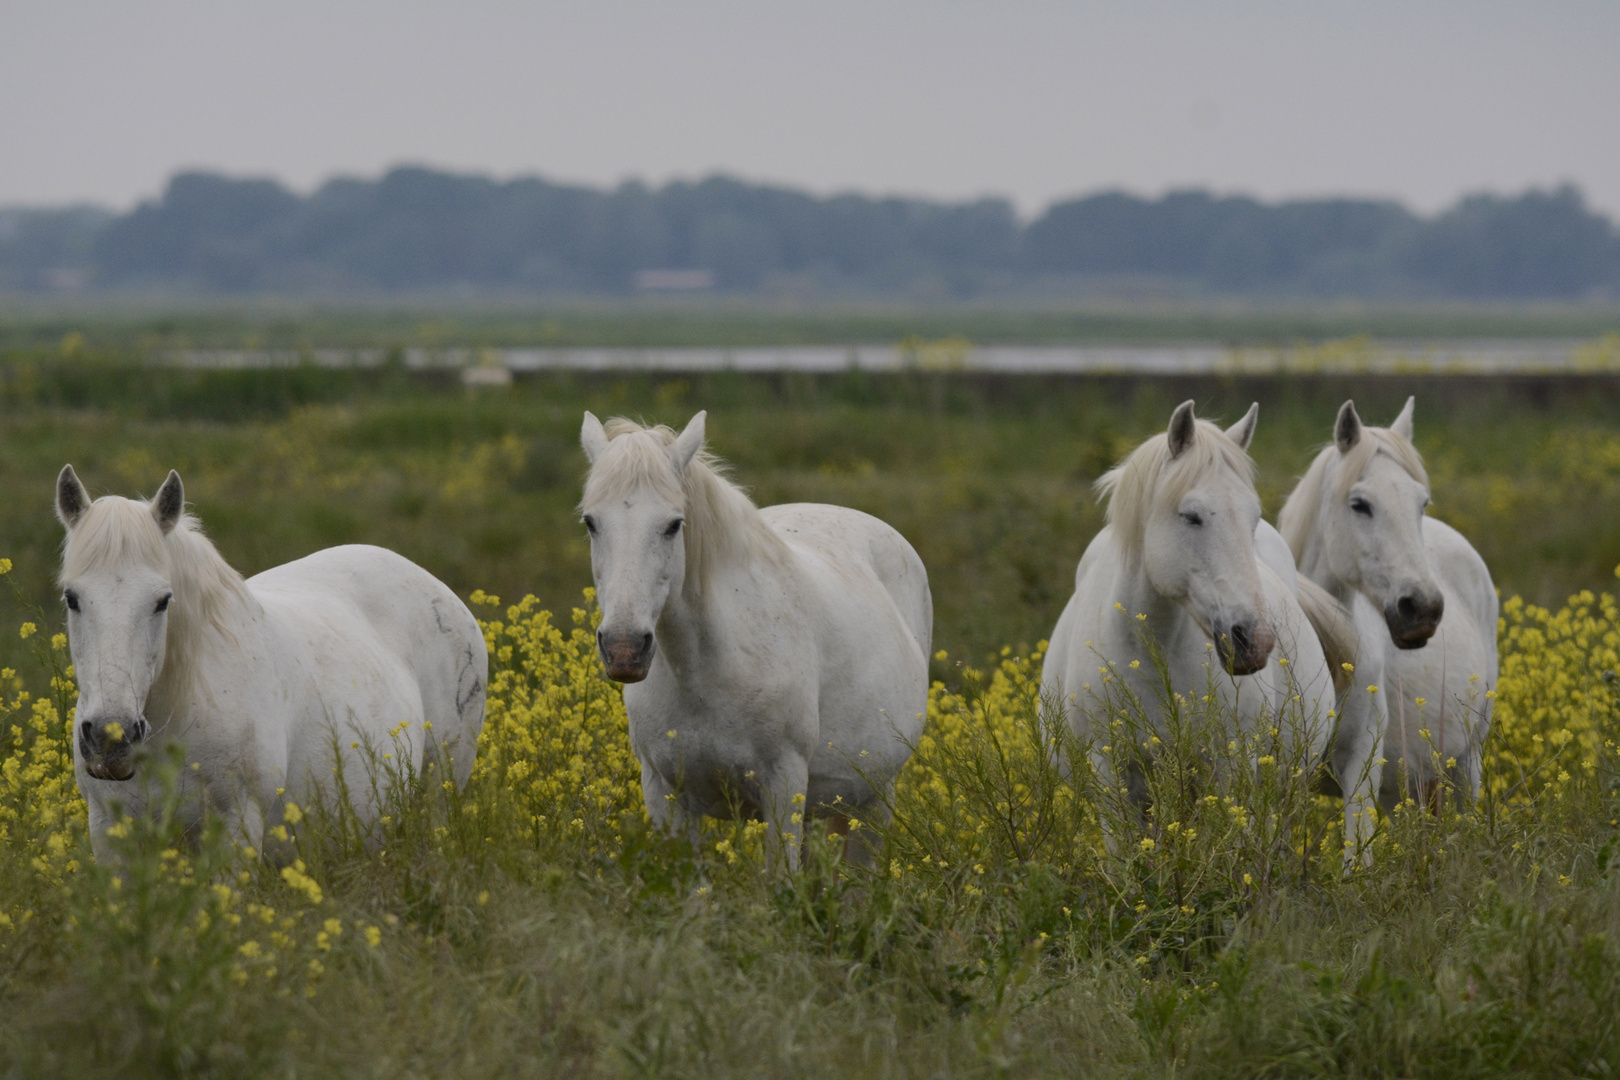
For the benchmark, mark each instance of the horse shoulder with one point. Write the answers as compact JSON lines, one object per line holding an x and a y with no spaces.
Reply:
{"x":1059,"y":645}
{"x":1078,"y":638}
{"x":848,"y":541}
{"x":1101,"y":554}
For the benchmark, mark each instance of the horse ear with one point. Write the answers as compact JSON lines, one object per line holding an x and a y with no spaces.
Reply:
{"x":592,"y":437}
{"x":1242,"y":432}
{"x":71,"y":498}
{"x":1182,"y":428}
{"x":689,"y":442}
{"x":1403,"y":423}
{"x":1347,"y":428}
{"x":169,"y":503}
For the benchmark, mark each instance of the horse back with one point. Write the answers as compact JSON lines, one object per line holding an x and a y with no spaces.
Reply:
{"x":389,"y":613}
{"x":849,"y":537}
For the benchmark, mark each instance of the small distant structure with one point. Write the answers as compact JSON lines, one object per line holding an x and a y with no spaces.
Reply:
{"x":673,"y":280}
{"x":489,"y":370}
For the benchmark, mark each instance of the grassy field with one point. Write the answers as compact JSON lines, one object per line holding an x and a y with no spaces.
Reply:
{"x":988,"y":477}
{"x":533,"y":926}
{"x":713,"y":321}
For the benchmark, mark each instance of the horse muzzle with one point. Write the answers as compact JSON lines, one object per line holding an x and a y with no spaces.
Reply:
{"x":1244,"y":646}
{"x":107,"y":747}
{"x":626,"y":655}
{"x":1414,"y":617}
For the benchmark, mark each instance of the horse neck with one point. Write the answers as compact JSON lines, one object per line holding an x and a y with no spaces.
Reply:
{"x":1303,"y":512}
{"x":726,"y":534}
{"x":728,"y":542}
{"x":211,"y":614}
{"x":1135,"y":592}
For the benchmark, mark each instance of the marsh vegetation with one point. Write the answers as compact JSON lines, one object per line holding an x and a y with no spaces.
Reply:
{"x":533,"y":924}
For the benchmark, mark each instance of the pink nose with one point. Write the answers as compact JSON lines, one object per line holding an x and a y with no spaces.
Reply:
{"x":1414,"y":617}
{"x":107,"y":747}
{"x":626,"y":655}
{"x":1245,"y":644}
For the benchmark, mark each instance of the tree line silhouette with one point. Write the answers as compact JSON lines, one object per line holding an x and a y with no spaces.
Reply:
{"x":418,"y":230}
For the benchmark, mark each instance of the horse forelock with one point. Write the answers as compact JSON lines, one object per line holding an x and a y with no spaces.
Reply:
{"x":117,"y":532}
{"x":114,"y":532}
{"x":1299,"y":514}
{"x":636,"y":457}
{"x":720,"y":517}
{"x":1149,"y":478}
{"x":1380,"y":442}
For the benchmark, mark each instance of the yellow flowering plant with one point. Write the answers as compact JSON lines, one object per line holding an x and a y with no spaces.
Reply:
{"x":979,"y":786}
{"x":183,"y":916}
{"x":1554,"y":717}
{"x":554,"y":759}
{"x":999,"y":811}
{"x":43,"y":820}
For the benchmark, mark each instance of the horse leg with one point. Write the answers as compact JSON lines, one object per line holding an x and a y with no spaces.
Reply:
{"x":102,"y":818}
{"x":1358,"y":761}
{"x":1102,"y":770}
{"x":244,"y":823}
{"x":783,"y":803}
{"x":664,"y":807}
{"x":839,"y":825}
{"x":1434,"y":794}
{"x":861,"y":843}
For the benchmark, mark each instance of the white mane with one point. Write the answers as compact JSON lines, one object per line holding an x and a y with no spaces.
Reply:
{"x":1299,"y":512}
{"x":721,"y":520}
{"x":207,"y":590}
{"x":1149,"y":478}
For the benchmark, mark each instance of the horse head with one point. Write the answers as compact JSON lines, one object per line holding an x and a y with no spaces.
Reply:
{"x":117,"y":589}
{"x":1185,"y":505}
{"x":634,"y":509}
{"x":1371,"y":523}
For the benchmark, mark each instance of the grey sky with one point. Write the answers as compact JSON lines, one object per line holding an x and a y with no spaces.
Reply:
{"x":1417,"y":100}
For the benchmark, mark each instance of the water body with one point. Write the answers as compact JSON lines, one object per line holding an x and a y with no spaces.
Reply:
{"x":1483,"y":357}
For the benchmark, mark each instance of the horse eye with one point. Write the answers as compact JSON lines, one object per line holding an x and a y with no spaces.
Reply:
{"x":71,"y":599}
{"x":163,"y":604}
{"x":590,"y":524}
{"x":674,"y":527}
{"x":1361,"y":506}
{"x":1192,"y":519}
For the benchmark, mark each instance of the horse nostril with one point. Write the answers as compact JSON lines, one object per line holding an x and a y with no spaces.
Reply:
{"x":600,"y":641}
{"x":1407,"y":607}
{"x":1240,"y":638}
{"x":86,"y":731}
{"x":646,"y":642}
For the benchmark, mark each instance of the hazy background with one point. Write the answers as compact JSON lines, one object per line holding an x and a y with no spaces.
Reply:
{"x":1420,"y":102}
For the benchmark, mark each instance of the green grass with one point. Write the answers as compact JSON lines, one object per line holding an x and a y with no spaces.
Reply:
{"x":719,"y":322}
{"x":1461,"y":954}
{"x":988,"y":477}
{"x":1484,"y":945}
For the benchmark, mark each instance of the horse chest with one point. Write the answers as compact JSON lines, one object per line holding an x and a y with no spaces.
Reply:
{"x":676,"y":729}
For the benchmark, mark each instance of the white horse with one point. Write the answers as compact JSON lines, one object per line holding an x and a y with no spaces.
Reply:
{"x":269,"y":684}
{"x":1186,"y":548}
{"x":1356,"y":525}
{"x":776,"y":660}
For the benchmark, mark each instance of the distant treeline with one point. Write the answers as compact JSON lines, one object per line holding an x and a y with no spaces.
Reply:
{"x":416,"y":230}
